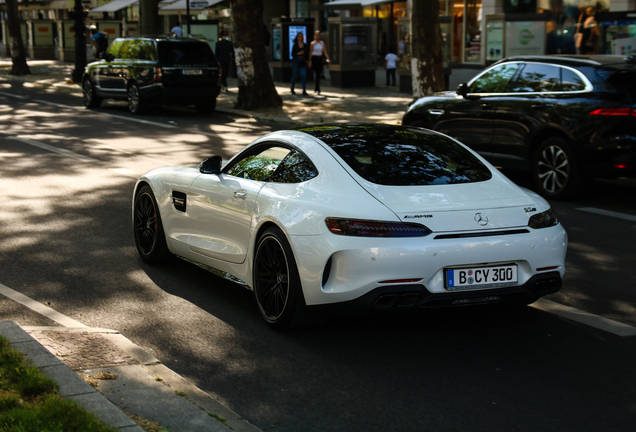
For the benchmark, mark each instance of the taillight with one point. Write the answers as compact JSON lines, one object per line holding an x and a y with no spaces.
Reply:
{"x":364,"y":228}
{"x":220,"y":75}
{"x":614,"y":112}
{"x":158,"y":74}
{"x":543,"y":220}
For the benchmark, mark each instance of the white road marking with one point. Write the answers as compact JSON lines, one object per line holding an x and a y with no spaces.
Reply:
{"x":12,"y":95}
{"x":48,"y":312}
{"x":163,"y":125}
{"x":53,"y":149}
{"x":608,"y":213}
{"x":586,"y":318}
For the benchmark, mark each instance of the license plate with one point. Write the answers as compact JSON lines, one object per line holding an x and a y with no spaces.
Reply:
{"x":481,"y":277}
{"x":192,"y":72}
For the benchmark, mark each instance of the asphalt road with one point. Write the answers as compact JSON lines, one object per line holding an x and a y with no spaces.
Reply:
{"x":66,"y":176}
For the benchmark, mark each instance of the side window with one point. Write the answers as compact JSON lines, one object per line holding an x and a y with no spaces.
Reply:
{"x":115,"y":47}
{"x":126,"y":51}
{"x":537,"y":78}
{"x":260,"y":166}
{"x":495,"y":80}
{"x":571,"y":81}
{"x":138,"y":50}
{"x":295,"y":168}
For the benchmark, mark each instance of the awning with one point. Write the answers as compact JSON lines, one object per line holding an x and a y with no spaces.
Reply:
{"x":181,"y":5}
{"x":114,"y":6}
{"x":347,"y":4}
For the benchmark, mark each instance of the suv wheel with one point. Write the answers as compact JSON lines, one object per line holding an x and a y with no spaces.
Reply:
{"x":206,"y":107}
{"x":555,"y":170}
{"x":136,"y":104}
{"x":88,"y":90}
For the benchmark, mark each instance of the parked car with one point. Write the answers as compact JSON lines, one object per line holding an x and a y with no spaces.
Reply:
{"x":354,"y":217}
{"x":564,"y":119}
{"x":145,"y":70}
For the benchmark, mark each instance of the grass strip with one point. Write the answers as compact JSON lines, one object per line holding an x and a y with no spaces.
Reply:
{"x":29,"y":401}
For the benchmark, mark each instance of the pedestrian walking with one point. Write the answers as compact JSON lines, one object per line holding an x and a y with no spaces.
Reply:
{"x":300,"y":55}
{"x":224,"y":51}
{"x":317,"y":50}
{"x":99,"y":42}
{"x":390,"y":64}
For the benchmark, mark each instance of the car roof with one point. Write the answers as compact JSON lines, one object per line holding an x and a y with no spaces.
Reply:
{"x":578,"y":60}
{"x":338,"y":133}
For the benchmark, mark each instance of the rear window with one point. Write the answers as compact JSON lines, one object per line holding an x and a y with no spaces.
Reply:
{"x":625,"y":83}
{"x":186,"y":54}
{"x":400,"y":156}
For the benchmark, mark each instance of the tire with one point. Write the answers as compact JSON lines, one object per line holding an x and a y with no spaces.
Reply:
{"x":206,"y":107}
{"x":277,"y":286}
{"x":90,"y":98}
{"x":150,"y":238}
{"x":555,"y":170}
{"x":136,"y":104}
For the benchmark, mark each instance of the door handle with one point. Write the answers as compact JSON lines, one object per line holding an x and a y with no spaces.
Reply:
{"x":486,"y":106}
{"x":240,"y":194}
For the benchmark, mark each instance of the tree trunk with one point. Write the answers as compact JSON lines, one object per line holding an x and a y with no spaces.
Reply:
{"x":256,"y":86}
{"x":16,"y":45}
{"x":427,"y":67}
{"x":148,"y":17}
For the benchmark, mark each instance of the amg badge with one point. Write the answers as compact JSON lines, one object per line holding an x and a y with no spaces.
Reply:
{"x":417,"y":216}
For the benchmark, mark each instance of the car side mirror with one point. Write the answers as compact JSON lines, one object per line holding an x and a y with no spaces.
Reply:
{"x":109,"y":57}
{"x":462,"y":89}
{"x":211,"y":165}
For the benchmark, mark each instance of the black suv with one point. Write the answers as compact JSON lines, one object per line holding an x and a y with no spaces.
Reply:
{"x":565,"y":119}
{"x":144,"y":70}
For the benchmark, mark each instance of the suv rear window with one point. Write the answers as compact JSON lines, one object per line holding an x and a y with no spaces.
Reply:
{"x":186,"y":53}
{"x":625,"y":83}
{"x":392,"y":156}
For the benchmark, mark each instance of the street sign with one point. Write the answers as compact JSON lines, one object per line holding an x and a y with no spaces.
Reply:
{"x":198,"y":4}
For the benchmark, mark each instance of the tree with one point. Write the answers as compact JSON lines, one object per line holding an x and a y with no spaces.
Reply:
{"x":427,"y":67}
{"x":16,"y":45}
{"x":256,"y":86}
{"x":148,"y":17}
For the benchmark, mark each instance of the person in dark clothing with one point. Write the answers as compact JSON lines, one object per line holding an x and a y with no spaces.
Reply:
{"x":300,"y":56}
{"x":224,"y":51}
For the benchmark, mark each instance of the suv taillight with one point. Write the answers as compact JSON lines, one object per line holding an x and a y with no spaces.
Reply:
{"x":220,"y":75}
{"x":614,"y":112}
{"x":158,"y":74}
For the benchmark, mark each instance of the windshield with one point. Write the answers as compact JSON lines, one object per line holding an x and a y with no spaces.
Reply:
{"x":402,"y":156}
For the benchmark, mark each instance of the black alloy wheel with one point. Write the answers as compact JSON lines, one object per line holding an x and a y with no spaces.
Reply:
{"x":555,"y":170}
{"x":89,"y":97}
{"x":277,"y":286}
{"x":136,"y":104}
{"x":148,"y":229}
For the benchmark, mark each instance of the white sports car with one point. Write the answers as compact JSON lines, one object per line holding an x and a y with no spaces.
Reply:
{"x":354,"y":217}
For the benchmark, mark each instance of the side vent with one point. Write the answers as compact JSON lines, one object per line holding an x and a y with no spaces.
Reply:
{"x":179,"y":201}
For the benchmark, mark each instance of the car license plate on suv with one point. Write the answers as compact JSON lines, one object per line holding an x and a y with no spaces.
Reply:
{"x":481,"y":277}
{"x":192,"y":72}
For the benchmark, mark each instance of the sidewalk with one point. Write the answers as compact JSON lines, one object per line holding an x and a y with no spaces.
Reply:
{"x":379,"y":104}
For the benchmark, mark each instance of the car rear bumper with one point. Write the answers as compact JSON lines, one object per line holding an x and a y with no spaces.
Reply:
{"x":349,"y":268}
{"x":416,"y":296}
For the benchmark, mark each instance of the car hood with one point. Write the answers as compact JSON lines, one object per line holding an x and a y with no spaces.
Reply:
{"x":493,"y":204}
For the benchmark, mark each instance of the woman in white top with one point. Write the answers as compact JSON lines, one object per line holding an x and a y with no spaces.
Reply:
{"x":317,"y":49}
